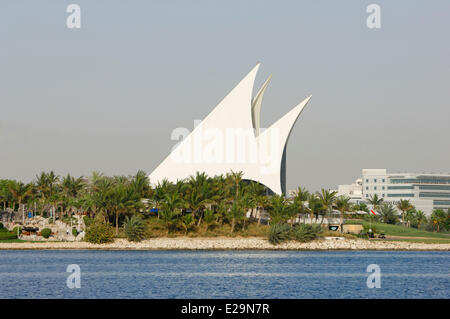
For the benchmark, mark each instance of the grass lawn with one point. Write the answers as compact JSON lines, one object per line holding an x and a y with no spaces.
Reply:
{"x":397,"y":230}
{"x":12,"y":241}
{"x":424,"y":240}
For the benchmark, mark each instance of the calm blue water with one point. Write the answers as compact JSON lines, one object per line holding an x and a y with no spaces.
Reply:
{"x":224,"y":274}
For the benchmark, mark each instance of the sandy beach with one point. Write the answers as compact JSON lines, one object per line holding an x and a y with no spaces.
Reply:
{"x":224,"y":243}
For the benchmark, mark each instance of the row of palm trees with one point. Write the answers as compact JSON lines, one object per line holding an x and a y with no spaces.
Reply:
{"x":198,"y":201}
{"x":409,"y":214}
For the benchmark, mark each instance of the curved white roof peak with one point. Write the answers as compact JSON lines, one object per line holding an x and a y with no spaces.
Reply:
{"x":229,"y":138}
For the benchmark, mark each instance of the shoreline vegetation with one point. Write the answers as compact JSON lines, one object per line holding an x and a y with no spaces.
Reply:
{"x":202,"y":212}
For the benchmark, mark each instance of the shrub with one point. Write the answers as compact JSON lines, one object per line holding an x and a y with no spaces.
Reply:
{"x":99,"y":233}
{"x":6,"y":235}
{"x":15,"y":230}
{"x":301,"y":232}
{"x":74,"y":232}
{"x":46,"y":232}
{"x":1,"y":226}
{"x":134,"y":228}
{"x":88,"y":221}
{"x":279,"y":232}
{"x":306,"y":232}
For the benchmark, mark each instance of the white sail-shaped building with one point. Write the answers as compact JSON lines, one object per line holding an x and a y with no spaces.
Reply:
{"x":230,"y":139}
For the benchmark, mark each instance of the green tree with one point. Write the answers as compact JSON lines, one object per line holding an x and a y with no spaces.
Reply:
{"x":342,"y":205}
{"x":375,"y":201}
{"x":388,"y":213}
{"x":209,"y":219}
{"x":19,"y":191}
{"x":279,"y":211}
{"x":315,"y":207}
{"x":134,"y":228}
{"x":404,"y":205}
{"x":300,"y":198}
{"x":235,"y":214}
{"x":437,"y":218}
{"x":327,"y":199}
{"x":171,"y":210}
{"x":420,"y":218}
{"x":187,"y":222}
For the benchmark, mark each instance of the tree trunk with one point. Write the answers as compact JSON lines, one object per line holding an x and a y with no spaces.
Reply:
{"x":23,"y":213}
{"x":200,"y":219}
{"x":233,"y":223}
{"x":342,"y":222}
{"x":117,"y":223}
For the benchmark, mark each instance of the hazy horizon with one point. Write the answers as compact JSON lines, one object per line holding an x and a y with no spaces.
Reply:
{"x":107,"y":96}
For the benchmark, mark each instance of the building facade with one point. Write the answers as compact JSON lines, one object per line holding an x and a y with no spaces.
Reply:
{"x":354,"y":191}
{"x":425,"y":191}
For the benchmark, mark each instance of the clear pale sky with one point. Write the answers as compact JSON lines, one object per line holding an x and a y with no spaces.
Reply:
{"x":107,"y":96}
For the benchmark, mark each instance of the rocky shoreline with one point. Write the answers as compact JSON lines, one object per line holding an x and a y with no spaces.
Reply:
{"x":225,"y":243}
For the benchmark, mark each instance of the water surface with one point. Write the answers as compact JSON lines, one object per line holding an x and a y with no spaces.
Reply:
{"x":224,"y":274}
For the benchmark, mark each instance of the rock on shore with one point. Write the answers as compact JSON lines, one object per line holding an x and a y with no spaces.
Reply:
{"x":224,"y":243}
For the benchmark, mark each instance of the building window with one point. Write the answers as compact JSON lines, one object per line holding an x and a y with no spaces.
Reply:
{"x":400,"y":187}
{"x":383,"y":180}
{"x":375,"y":188}
{"x":383,"y":195}
{"x":441,"y":202}
{"x":367,"y":195}
{"x":367,"y":188}
{"x":383,"y":188}
{"x":400,"y":195}
{"x":435,"y":187}
{"x":424,"y":194}
{"x":375,"y":180}
{"x":367,"y":180}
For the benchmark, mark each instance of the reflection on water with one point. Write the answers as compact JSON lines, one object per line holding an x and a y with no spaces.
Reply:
{"x":224,"y":274}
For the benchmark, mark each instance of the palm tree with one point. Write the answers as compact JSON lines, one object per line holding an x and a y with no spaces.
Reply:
{"x":404,"y":205}
{"x":121,"y":199}
{"x":71,"y":187}
{"x":342,"y":205}
{"x":171,"y":209}
{"x":280,"y":209}
{"x":4,"y":192}
{"x":198,"y":193}
{"x":375,"y":201}
{"x":262,"y":202}
{"x":235,"y":214}
{"x":437,"y":217}
{"x":315,"y":206}
{"x":237,"y":179}
{"x":388,"y":213}
{"x":141,"y":184}
{"x":420,"y":218}
{"x":19,"y":191}
{"x":327,"y":199}
{"x":210,"y":218}
{"x":301,"y":196}
{"x":187,"y":222}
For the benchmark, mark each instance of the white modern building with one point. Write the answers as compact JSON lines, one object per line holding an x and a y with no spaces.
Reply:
{"x":230,"y":139}
{"x":354,"y":191}
{"x":425,"y":191}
